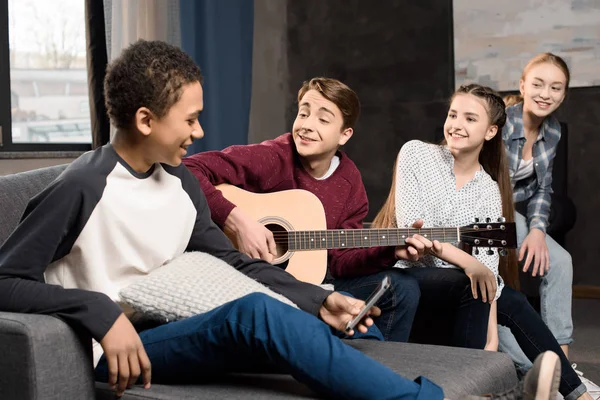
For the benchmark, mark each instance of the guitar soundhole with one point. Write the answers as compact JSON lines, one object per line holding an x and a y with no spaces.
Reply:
{"x":281,"y":240}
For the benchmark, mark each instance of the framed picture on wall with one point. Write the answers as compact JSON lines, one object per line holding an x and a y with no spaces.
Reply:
{"x":493,"y":40}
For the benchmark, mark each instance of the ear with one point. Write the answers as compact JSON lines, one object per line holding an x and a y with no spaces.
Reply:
{"x":143,"y":120}
{"x":521,"y":86}
{"x":345,"y":136}
{"x":491,"y":132}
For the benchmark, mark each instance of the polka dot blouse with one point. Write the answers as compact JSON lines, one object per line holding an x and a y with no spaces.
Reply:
{"x":426,"y":189}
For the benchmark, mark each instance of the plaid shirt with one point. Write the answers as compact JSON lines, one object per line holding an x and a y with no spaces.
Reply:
{"x":538,"y":187}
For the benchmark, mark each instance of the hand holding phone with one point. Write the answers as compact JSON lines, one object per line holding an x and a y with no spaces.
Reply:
{"x":371,"y":301}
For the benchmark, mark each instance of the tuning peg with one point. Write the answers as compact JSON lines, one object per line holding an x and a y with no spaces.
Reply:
{"x":476,"y":251}
{"x":490,"y":252}
{"x":502,"y":252}
{"x":476,"y":220}
{"x":501,"y":219}
{"x":488,"y":219}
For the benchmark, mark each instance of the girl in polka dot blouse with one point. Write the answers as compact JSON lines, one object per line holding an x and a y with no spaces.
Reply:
{"x":449,"y":185}
{"x":463,"y":297}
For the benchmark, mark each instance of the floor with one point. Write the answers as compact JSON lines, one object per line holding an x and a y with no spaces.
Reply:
{"x":585,"y":350}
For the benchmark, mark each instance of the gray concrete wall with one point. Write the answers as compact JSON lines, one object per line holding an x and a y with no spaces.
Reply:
{"x":269,"y":71}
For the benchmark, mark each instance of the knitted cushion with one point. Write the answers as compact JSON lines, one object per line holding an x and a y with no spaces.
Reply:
{"x":190,"y":284}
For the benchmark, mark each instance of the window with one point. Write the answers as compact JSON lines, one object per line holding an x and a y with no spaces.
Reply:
{"x":43,"y":76}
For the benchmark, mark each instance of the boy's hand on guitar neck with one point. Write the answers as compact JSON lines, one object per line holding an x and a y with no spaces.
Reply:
{"x":417,"y":246}
{"x":252,"y":237}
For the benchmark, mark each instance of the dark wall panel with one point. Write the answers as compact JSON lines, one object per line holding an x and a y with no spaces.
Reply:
{"x":397,"y":55}
{"x":581,"y":110}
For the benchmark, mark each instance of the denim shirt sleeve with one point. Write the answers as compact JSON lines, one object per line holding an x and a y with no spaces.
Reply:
{"x":538,"y":208}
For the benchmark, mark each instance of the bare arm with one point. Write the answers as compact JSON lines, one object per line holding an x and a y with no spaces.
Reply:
{"x":492,"y":335}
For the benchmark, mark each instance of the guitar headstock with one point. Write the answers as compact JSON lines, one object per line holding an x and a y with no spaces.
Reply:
{"x":500,"y":234}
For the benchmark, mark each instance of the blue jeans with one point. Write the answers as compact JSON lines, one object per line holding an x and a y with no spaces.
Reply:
{"x":533,"y":337}
{"x":258,"y":333}
{"x":555,"y":298}
{"x":398,"y":305}
{"x":556,"y":288}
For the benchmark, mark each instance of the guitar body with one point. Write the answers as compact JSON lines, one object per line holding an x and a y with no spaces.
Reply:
{"x":285,"y":211}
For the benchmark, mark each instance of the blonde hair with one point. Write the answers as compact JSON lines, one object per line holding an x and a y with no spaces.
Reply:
{"x":512,"y":99}
{"x":543,"y":58}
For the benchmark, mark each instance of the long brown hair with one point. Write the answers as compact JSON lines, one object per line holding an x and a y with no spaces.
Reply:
{"x":542,"y":58}
{"x":493,"y":159}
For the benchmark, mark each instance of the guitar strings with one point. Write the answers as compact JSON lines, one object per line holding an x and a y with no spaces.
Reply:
{"x":354,"y":232}
{"x":301,"y":236}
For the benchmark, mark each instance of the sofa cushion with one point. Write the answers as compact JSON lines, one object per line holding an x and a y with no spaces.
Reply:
{"x":458,"y":371}
{"x":190,"y":284}
{"x":15,"y":192}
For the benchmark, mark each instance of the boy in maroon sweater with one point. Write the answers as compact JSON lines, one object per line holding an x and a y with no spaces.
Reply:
{"x":309,"y":158}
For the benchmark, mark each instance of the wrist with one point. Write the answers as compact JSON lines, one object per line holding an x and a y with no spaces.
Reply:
{"x":233,"y":220}
{"x":537,"y":231}
{"x":322,"y":309}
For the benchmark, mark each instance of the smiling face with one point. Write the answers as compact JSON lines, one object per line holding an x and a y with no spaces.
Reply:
{"x":543,"y":89}
{"x":468,"y":125}
{"x":167,"y":138}
{"x":318,"y":128}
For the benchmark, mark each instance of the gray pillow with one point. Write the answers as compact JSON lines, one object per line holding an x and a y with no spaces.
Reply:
{"x":190,"y":284}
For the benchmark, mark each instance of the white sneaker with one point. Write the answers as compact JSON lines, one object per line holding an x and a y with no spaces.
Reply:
{"x":592,"y":388}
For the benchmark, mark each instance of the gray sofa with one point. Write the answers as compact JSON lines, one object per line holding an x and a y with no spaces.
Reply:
{"x":43,"y":358}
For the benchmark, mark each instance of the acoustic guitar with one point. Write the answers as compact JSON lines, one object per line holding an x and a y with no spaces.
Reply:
{"x":297,"y":219}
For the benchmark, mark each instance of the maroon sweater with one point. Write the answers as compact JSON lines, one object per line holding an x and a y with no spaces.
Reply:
{"x":274,"y":165}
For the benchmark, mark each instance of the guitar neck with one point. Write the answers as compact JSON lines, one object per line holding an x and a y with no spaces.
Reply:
{"x":353,"y":238}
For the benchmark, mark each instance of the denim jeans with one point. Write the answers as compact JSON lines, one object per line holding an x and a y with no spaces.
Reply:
{"x":448,"y":314}
{"x":533,"y":337}
{"x":258,"y":333}
{"x":556,"y":288}
{"x":398,"y":305}
{"x":555,"y":298}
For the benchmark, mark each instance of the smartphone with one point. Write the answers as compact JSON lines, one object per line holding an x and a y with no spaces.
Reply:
{"x":371,"y":301}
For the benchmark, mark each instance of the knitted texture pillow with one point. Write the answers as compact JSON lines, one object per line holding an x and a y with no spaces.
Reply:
{"x":190,"y":284}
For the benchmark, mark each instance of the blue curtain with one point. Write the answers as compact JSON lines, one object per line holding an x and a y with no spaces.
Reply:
{"x":217,"y":34}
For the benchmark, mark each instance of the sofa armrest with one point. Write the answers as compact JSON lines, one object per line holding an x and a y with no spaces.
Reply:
{"x":41,"y":357}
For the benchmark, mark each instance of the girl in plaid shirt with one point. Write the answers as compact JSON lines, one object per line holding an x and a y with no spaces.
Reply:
{"x":531,"y":135}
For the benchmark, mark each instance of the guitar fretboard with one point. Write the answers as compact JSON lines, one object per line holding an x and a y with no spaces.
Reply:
{"x":352,"y":238}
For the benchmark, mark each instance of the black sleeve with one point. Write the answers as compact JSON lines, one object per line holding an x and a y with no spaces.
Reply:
{"x":208,"y":238}
{"x":49,"y":227}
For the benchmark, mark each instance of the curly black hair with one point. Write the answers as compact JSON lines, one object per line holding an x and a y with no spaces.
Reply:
{"x":147,"y":74}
